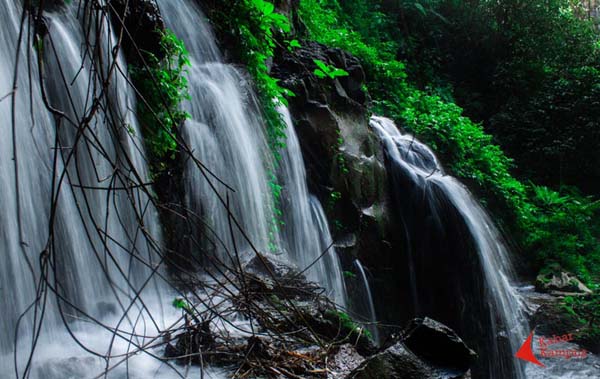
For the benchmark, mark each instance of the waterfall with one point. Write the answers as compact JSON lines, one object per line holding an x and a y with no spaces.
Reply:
{"x":306,"y":233}
{"x":443,"y":222}
{"x":227,"y":134}
{"x":366,"y":306}
{"x":72,"y":270}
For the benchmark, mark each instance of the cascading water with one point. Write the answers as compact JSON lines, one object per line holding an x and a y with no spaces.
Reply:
{"x":443,"y":224}
{"x":306,"y":233}
{"x":227,"y":134}
{"x":96,"y":259}
{"x":366,"y":306}
{"x":104,"y":235}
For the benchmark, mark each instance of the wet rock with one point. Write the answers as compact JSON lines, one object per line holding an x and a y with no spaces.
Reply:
{"x":438,"y":345}
{"x":561,"y":283}
{"x":344,"y":361}
{"x":269,"y":266}
{"x":341,"y":153}
{"x":267,"y":275}
{"x":395,"y":362}
{"x":144,"y":26}
{"x":296,"y":69}
{"x":552,"y":319}
{"x":106,"y":309}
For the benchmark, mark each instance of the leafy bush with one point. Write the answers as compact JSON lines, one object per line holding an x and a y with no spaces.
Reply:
{"x":564,"y":229}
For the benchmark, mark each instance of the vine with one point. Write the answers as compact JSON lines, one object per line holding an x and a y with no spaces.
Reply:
{"x":163,"y":85}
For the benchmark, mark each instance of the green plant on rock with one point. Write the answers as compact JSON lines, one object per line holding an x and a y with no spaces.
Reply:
{"x":257,"y":22}
{"x":163,"y":87}
{"x":348,"y":323}
{"x":325,"y":70}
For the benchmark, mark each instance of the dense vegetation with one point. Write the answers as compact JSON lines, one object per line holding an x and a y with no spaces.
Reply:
{"x":527,"y":69}
{"x":473,"y":79}
{"x":527,"y":72}
{"x":407,"y":83}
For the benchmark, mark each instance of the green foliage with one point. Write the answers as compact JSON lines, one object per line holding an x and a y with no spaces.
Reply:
{"x":550,"y":226}
{"x":163,"y":85}
{"x":252,"y":26}
{"x":349,"y":275}
{"x":325,"y":70}
{"x":563,"y":230}
{"x":348,"y":323}
{"x":180,"y":303}
{"x":339,"y":156}
{"x":585,"y":310}
{"x":527,"y":69}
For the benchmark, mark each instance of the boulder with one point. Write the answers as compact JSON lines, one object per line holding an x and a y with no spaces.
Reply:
{"x":428,"y":349}
{"x":561,"y":283}
{"x":395,"y":362}
{"x":345,"y":360}
{"x":438,"y":345}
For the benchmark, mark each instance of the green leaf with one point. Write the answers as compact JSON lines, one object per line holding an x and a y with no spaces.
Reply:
{"x":338,"y":72}
{"x":180,"y":303}
{"x":320,"y":74}
{"x":322,"y":65}
{"x":421,"y":9}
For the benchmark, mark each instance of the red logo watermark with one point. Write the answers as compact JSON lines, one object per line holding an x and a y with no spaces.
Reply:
{"x":547,"y":351}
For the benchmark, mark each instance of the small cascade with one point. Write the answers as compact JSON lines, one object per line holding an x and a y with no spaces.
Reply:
{"x":305,"y":232}
{"x":366,"y":306}
{"x":227,"y":135}
{"x":461,"y":271}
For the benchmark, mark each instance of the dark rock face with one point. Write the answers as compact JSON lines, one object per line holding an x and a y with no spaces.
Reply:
{"x":342,"y":155}
{"x":144,"y":25}
{"x":428,"y":349}
{"x":410,"y":237}
{"x":438,"y":345}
